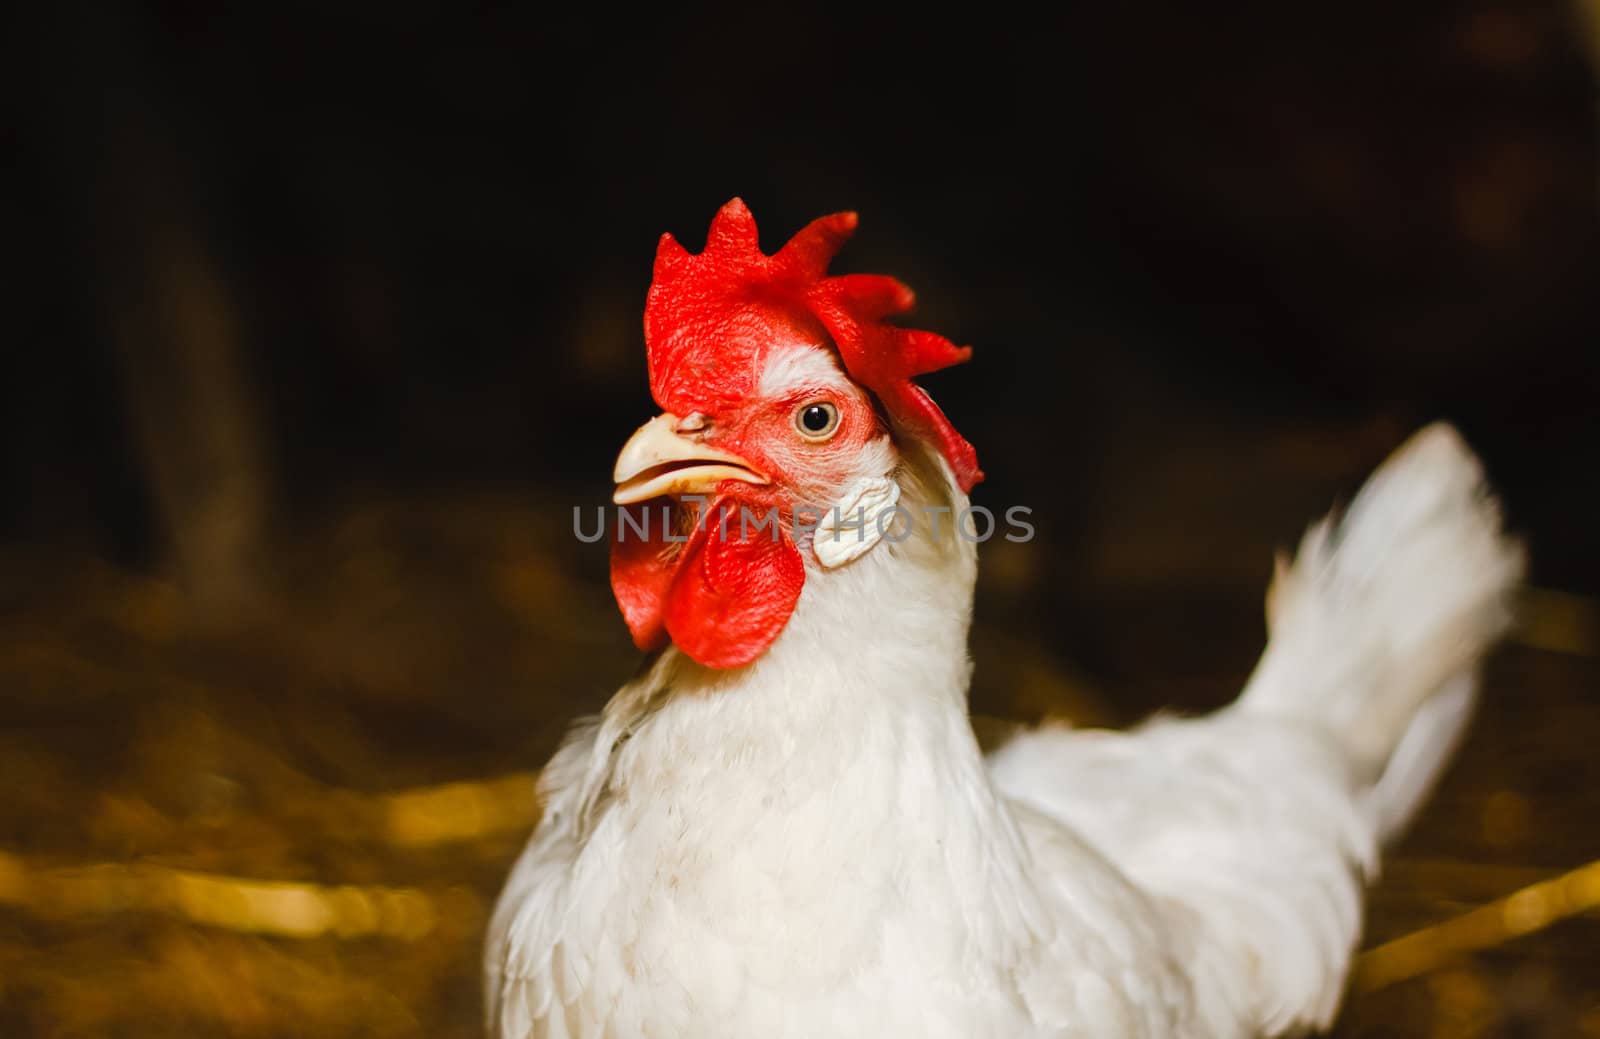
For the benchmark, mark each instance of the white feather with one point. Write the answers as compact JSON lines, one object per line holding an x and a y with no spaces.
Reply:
{"x":814,"y":846}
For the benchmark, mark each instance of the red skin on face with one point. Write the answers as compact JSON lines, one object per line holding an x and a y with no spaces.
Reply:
{"x":724,"y":595}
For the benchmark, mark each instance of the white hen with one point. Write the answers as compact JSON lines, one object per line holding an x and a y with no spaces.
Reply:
{"x":811,"y":844}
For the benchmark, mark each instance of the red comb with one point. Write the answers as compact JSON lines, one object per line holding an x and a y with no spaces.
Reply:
{"x":710,"y":316}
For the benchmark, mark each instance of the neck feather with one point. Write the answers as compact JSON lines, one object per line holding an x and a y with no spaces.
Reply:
{"x":873,"y":665}
{"x":835,"y":780}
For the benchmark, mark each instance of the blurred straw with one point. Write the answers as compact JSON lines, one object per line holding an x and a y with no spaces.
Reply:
{"x":281,"y":908}
{"x":1522,"y":912}
{"x":461,"y":811}
{"x":1559,"y":621}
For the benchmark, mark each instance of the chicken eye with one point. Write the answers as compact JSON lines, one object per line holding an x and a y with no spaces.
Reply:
{"x":817,"y":421}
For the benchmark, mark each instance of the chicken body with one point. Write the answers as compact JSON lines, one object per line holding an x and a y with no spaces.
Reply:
{"x":813,"y":844}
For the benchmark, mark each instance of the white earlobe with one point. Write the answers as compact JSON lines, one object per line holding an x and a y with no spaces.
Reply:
{"x":852,"y":526}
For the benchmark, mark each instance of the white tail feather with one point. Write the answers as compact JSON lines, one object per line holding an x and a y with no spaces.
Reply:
{"x":1378,"y":626}
{"x":1430,"y":741}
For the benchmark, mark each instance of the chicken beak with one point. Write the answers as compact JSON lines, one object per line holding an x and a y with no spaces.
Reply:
{"x":659,"y":460}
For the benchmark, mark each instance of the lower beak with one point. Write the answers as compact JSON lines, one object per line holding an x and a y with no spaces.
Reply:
{"x":659,"y":460}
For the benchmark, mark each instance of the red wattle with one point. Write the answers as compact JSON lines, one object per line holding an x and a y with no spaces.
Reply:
{"x":640,"y":571}
{"x":722,"y":599}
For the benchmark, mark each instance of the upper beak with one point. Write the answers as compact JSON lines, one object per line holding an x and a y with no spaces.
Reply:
{"x":659,"y":460}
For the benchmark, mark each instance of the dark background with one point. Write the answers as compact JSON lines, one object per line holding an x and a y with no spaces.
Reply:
{"x":321,"y":322}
